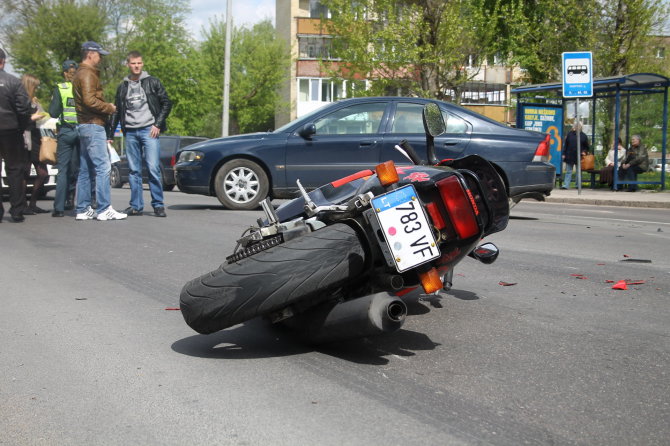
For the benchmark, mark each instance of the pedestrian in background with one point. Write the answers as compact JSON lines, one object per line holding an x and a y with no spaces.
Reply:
{"x":92,"y":115}
{"x":607,"y":172}
{"x":33,"y":140}
{"x":142,"y":107}
{"x":62,"y":107}
{"x":570,"y":156}
{"x":636,"y":162}
{"x":14,"y":119}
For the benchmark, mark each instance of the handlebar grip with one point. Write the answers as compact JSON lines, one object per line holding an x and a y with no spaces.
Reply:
{"x":411,"y":153}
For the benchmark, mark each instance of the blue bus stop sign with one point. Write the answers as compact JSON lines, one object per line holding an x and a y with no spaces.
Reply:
{"x":578,"y":75}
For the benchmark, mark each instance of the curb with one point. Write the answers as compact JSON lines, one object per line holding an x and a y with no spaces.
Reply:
{"x":644,"y":200}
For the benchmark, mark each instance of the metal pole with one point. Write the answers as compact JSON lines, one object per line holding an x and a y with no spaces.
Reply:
{"x":579,"y":149}
{"x":226,"y":70}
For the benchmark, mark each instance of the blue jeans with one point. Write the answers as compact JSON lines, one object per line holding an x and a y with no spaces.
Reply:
{"x":141,"y":146}
{"x":94,"y":165}
{"x":68,"y":163}
{"x":567,"y":178}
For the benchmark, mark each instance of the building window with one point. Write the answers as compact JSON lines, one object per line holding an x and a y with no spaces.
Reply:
{"x":314,"y":47}
{"x":318,"y":10}
{"x":320,"y":90}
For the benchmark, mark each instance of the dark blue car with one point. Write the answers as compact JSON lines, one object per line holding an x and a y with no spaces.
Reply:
{"x":352,"y":135}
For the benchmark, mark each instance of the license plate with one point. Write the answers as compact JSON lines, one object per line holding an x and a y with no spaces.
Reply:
{"x":407,"y":232}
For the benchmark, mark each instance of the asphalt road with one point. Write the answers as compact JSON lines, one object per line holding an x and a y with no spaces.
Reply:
{"x":92,"y":353}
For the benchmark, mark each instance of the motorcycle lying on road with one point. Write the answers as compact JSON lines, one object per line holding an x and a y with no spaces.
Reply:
{"x":332,"y":263}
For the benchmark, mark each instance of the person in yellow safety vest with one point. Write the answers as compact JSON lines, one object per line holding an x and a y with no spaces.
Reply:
{"x":67,"y":152}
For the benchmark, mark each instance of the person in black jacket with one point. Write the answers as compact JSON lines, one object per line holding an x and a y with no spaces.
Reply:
{"x":570,"y":157}
{"x":142,"y":107}
{"x":14,"y":119}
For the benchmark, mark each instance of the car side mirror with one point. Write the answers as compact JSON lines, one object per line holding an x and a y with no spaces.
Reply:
{"x":433,"y":121}
{"x":307,"y":130}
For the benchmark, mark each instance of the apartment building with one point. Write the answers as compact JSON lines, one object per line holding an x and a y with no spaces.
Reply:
{"x":307,"y":88}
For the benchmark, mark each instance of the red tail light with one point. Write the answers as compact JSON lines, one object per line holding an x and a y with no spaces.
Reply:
{"x":542,"y":153}
{"x":461,"y":206}
{"x":173,"y":160}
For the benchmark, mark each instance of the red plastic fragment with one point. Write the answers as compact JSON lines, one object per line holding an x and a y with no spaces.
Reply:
{"x":173,"y":309}
{"x":506,"y":283}
{"x":620,"y":285}
{"x":635,"y":282}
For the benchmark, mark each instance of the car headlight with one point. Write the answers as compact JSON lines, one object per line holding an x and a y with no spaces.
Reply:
{"x":188,"y":156}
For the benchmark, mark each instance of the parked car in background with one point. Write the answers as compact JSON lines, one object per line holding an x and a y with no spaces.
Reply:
{"x":351,"y":135}
{"x":49,"y":185}
{"x":170,"y":144}
{"x":655,"y":164}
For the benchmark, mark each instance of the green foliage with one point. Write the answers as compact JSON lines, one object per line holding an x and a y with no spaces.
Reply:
{"x":169,"y":55}
{"x":40,"y":34}
{"x":54,"y":34}
{"x":416,"y":47}
{"x":259,"y":62}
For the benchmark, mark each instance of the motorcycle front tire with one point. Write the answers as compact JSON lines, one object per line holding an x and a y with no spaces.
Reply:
{"x":302,"y":268}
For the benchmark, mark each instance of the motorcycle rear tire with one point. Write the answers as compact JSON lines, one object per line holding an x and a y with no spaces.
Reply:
{"x":302,"y":268}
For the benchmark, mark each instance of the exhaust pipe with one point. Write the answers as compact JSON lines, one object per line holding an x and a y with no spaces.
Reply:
{"x":365,"y":316}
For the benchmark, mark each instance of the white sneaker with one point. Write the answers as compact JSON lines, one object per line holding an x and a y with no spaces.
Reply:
{"x":88,"y":214}
{"x":111,"y":214}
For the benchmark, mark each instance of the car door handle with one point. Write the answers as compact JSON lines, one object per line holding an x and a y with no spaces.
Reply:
{"x":367,"y":144}
{"x":450,"y":143}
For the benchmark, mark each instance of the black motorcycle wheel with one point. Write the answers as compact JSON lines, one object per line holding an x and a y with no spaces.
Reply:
{"x":302,"y":268}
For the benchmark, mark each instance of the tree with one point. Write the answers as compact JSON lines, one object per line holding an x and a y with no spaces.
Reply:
{"x":258,"y":63}
{"x":170,"y":55}
{"x":53,"y":34}
{"x":416,"y":47}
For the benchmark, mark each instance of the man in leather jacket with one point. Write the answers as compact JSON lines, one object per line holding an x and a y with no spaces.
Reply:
{"x":92,"y":115}
{"x":142,"y":106}
{"x":14,"y":119}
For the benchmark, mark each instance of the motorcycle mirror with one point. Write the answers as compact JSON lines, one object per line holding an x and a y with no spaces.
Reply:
{"x":307,"y":130}
{"x":433,"y":121}
{"x":433,"y":124}
{"x":486,"y":253}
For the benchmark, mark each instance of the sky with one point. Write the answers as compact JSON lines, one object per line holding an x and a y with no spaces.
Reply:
{"x":245,"y":13}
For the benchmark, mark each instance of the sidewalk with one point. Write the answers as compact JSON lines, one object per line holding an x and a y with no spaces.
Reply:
{"x":606,"y":197}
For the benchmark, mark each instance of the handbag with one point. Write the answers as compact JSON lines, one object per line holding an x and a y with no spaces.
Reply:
{"x":48,"y":150}
{"x":588,"y":162}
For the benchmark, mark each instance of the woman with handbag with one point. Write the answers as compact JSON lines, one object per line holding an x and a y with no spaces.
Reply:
{"x":635,"y":162}
{"x":570,"y":157}
{"x":33,"y":141}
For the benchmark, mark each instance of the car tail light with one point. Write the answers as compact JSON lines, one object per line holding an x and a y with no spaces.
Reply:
{"x":173,"y":160}
{"x":461,"y":206}
{"x":542,"y":152}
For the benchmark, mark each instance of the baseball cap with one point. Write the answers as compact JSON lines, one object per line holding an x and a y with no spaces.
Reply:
{"x":94,"y":46}
{"x":69,"y":64}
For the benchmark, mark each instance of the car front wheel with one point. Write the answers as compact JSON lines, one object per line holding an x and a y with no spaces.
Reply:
{"x":241,"y":184}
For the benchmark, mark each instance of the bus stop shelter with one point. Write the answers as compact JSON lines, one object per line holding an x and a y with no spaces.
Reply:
{"x":619,"y":88}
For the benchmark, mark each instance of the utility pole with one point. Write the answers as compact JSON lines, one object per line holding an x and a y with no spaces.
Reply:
{"x":226,"y":69}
